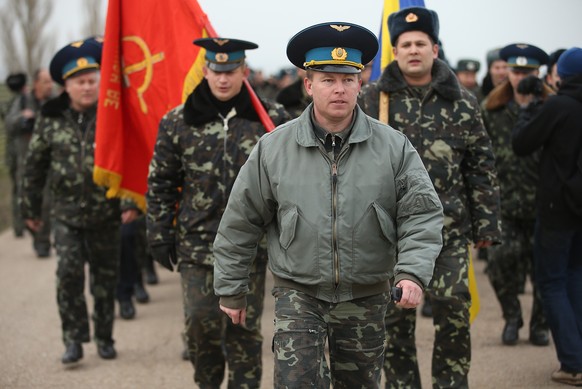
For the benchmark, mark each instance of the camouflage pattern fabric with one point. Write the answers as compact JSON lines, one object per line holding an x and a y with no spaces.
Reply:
{"x":62,"y":146}
{"x":192,"y":171}
{"x":19,"y":131}
{"x":355,"y":332}
{"x":197,"y":157}
{"x":86,"y":222}
{"x":100,"y":249}
{"x":518,"y":178}
{"x":211,"y":338}
{"x":509,"y":261}
{"x":443,"y":122}
{"x":449,"y":295}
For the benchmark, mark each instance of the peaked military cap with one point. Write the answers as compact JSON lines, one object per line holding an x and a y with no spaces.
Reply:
{"x":468,"y":65}
{"x":75,"y":57}
{"x":522,"y":55}
{"x":334,"y":47}
{"x":224,"y":54}
{"x":16,"y":81}
{"x":413,"y":19}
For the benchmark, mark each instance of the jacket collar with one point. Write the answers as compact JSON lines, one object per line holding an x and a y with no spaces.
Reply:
{"x":306,"y":137}
{"x":199,"y":108}
{"x":444,"y":82}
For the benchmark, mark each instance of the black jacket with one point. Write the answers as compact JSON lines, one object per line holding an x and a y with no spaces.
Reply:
{"x":555,"y":125}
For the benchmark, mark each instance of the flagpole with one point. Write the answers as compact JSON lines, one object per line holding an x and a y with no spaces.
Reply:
{"x":257,"y":105}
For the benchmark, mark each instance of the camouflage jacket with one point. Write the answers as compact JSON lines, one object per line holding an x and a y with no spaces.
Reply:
{"x":196,"y":159}
{"x":446,"y":128}
{"x":518,"y":176}
{"x":62,"y":147}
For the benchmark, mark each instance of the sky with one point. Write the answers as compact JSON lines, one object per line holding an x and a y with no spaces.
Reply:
{"x":469,"y":28}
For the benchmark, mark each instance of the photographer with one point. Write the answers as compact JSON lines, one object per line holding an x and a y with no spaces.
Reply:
{"x":510,"y":262}
{"x":20,"y":124}
{"x":556,"y":127}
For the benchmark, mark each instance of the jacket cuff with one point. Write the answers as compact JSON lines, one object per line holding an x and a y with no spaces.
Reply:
{"x":234,"y":302}
{"x":405,"y":276}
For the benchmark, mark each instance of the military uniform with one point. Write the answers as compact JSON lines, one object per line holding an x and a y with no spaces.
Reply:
{"x":86,"y":222}
{"x":443,"y":122}
{"x":199,"y":151}
{"x":339,"y":194}
{"x":19,"y":133}
{"x":509,"y":263}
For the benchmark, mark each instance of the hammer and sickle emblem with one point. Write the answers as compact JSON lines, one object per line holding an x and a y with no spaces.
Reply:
{"x":147,"y":64}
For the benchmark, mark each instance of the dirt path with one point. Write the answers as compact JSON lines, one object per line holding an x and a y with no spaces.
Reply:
{"x":149,"y":346}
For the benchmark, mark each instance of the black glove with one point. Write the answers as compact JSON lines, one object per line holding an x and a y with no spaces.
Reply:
{"x":531,"y":85}
{"x":165,"y":255}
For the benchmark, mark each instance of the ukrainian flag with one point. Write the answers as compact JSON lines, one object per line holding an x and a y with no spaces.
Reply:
{"x":384,"y":56}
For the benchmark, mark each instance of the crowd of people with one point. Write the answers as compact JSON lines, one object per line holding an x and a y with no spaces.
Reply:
{"x":366,"y":200}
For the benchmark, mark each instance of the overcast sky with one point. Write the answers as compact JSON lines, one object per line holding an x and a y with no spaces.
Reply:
{"x":468,"y":27}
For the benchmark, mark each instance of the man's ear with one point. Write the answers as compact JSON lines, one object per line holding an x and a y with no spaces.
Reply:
{"x":307,"y":83}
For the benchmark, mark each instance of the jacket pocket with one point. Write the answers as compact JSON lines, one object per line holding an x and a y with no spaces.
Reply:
{"x":296,"y":255}
{"x":374,"y":246}
{"x":288,"y":225}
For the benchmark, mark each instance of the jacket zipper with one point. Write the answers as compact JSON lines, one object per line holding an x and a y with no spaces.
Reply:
{"x":225,"y":119}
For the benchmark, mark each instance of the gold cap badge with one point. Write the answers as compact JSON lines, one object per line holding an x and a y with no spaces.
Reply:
{"x":221,"y":57}
{"x":339,"y":54}
{"x":411,"y":18}
{"x":339,"y":27}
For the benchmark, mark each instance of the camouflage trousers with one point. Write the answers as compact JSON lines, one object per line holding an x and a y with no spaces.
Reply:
{"x":451,"y":359}
{"x":354,"y":331}
{"x":213,"y":340}
{"x":509,"y":264}
{"x":100,"y":249}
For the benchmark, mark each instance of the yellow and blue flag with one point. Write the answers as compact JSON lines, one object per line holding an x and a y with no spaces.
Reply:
{"x":384,"y":56}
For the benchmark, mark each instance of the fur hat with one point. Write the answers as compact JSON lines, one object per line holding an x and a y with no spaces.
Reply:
{"x":413,"y":19}
{"x":570,"y":63}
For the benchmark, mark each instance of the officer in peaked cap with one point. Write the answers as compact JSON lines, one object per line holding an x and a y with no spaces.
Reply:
{"x":334,"y":47}
{"x":74,"y":58}
{"x":86,"y":222}
{"x":220,"y":121}
{"x":224,"y":54}
{"x":523,"y":57}
{"x":288,"y":173}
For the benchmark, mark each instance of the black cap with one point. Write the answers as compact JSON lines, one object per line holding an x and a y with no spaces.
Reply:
{"x":78,"y":56}
{"x":224,"y":54}
{"x":523,"y":56}
{"x":16,"y":81}
{"x":413,"y":19}
{"x":334,"y":47}
{"x":468,"y":65}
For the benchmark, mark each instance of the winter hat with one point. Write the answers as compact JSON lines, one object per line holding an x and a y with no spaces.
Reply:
{"x":570,"y":63}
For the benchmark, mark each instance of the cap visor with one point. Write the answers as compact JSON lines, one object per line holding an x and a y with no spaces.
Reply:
{"x":223,"y":67}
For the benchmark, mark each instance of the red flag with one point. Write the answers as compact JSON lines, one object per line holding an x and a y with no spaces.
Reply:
{"x":149,"y":65}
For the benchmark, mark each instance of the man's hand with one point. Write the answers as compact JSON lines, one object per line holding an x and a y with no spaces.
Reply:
{"x":411,"y":294}
{"x":482,"y":244}
{"x":238,"y":316}
{"x":33,"y":225}
{"x":165,"y":255}
{"x":129,"y":215}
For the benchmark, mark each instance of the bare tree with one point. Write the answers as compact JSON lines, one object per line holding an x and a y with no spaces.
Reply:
{"x":25,"y":43}
{"x":94,"y":21}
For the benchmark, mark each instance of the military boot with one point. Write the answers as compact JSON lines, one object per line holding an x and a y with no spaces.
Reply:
{"x":73,"y":352}
{"x":510,"y":333}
